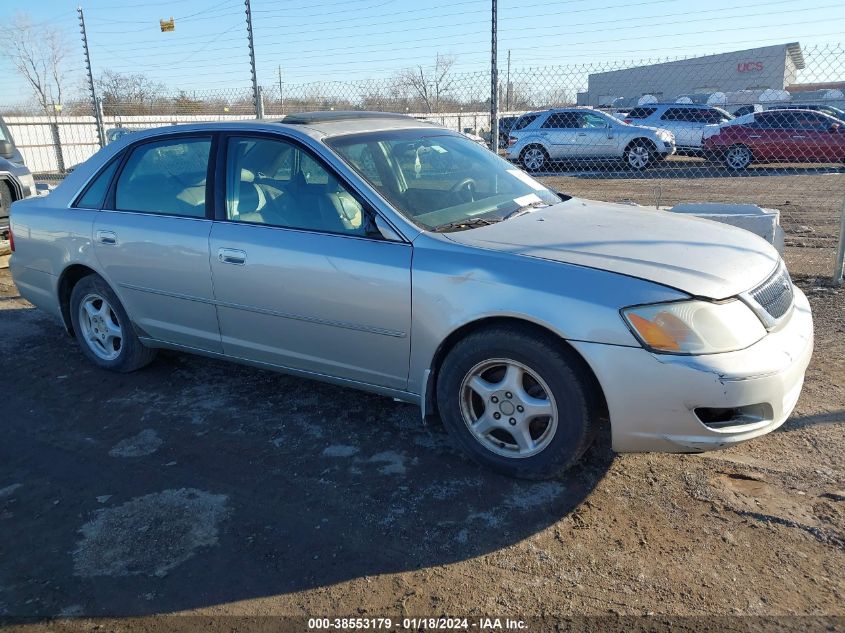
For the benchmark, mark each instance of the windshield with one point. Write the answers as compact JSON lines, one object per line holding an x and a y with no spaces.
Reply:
{"x":440,"y":180}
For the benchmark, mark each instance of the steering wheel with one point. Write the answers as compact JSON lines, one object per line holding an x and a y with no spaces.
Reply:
{"x":464,"y":187}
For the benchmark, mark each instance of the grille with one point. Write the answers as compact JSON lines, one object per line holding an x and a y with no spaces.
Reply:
{"x":775,"y":294}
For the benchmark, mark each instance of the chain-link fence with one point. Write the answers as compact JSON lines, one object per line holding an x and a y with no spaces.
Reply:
{"x":766,"y":127}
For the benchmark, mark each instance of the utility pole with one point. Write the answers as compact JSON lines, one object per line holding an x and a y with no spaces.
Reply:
{"x":101,"y":134}
{"x":281,"y":93}
{"x":494,"y":82}
{"x":256,"y":97}
{"x":508,"y":85}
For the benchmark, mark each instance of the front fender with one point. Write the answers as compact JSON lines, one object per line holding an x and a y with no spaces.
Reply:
{"x":455,"y":286}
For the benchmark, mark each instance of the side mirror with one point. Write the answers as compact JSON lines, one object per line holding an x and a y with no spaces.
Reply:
{"x":7,"y":150}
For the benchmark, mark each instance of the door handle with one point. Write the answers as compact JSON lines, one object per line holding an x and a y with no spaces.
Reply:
{"x":754,"y":136}
{"x":232,"y":256}
{"x":799,"y":136}
{"x":582,"y":134}
{"x":107,"y":237}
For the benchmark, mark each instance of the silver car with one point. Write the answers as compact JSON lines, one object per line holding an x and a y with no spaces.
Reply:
{"x":393,"y":256}
{"x":538,"y":139}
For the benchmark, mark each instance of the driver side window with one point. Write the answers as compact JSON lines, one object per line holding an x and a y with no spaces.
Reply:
{"x":276,"y":183}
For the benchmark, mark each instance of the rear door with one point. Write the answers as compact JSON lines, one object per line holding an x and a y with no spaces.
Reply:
{"x":560,"y":133}
{"x":300,"y":279}
{"x":681,"y":122}
{"x":151,"y":240}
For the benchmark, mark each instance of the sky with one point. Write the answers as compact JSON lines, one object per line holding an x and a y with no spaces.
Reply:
{"x":339,"y":40}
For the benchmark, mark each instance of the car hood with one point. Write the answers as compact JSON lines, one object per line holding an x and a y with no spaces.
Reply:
{"x":699,"y":257}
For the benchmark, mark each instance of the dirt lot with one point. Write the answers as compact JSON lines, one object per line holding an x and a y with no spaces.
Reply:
{"x":197,"y":487}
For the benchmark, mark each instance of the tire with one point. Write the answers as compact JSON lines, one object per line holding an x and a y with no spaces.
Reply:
{"x":105,"y":333}
{"x":6,"y":199}
{"x":534,"y":158}
{"x":551,"y":380}
{"x":639,"y":155}
{"x":738,"y":157}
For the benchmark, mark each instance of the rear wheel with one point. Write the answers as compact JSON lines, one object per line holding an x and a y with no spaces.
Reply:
{"x":516,"y":402}
{"x":738,"y":157}
{"x":6,"y":199}
{"x":534,"y":158}
{"x":103,"y":329}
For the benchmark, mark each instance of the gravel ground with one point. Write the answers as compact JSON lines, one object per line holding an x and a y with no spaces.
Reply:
{"x":199,"y":487}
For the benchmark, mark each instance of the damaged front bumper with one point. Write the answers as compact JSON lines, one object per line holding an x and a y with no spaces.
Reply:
{"x":682,"y":404}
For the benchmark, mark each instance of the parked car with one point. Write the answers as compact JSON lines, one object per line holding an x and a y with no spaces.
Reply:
{"x":801,"y":136}
{"x":16,"y":181}
{"x":506,"y":123}
{"x":685,"y":120}
{"x":826,"y":109}
{"x":115,"y":133}
{"x":749,"y":108}
{"x":386,"y":254}
{"x":583,"y":134}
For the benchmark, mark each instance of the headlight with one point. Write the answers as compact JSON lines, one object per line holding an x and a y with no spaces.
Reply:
{"x":695,"y":327}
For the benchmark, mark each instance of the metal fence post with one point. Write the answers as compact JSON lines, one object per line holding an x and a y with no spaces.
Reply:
{"x":256,"y":95}
{"x":838,"y":277}
{"x":494,"y":81}
{"x":101,"y":136}
{"x":259,"y":113}
{"x":57,"y":146}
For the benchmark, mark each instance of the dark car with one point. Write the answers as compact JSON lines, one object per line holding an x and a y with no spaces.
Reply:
{"x":16,"y":181}
{"x":791,"y":135}
{"x":826,"y":109}
{"x":505,"y":125}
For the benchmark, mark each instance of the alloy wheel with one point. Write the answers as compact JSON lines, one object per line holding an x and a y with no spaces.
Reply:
{"x":508,"y":408}
{"x":101,"y":329}
{"x":639,"y":157}
{"x":738,"y":157}
{"x":533,"y":159}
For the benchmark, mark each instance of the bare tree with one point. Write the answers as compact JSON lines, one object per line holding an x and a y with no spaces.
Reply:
{"x":430,"y":86}
{"x":38,"y":53}
{"x":127,"y":94}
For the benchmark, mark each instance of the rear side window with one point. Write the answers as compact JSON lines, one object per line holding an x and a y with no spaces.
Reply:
{"x":640,"y":113}
{"x":166,"y":177}
{"x":681,"y":114}
{"x":562,"y":120}
{"x":95,"y":194}
{"x":524,"y":121}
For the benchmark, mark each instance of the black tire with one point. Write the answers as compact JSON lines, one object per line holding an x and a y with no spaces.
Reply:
{"x":132,"y":354}
{"x":6,"y":199}
{"x":640,"y":154}
{"x":534,"y":158}
{"x":578,"y":413}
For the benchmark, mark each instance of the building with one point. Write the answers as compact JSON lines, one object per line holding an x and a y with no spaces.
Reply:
{"x":770,"y":67}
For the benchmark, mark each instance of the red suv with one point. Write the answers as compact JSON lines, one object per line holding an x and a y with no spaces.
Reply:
{"x":778,"y":135}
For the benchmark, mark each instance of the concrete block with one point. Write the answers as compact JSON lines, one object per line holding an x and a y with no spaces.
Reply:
{"x":760,"y":221}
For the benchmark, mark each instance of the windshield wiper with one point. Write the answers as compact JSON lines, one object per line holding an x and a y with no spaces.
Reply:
{"x":466,"y":223}
{"x":525,"y":209}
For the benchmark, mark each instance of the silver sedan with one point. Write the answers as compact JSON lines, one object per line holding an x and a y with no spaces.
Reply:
{"x":390,"y":255}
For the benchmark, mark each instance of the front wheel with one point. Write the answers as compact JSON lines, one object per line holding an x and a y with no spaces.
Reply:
{"x":102,"y":327}
{"x":516,"y":402}
{"x":639,"y":155}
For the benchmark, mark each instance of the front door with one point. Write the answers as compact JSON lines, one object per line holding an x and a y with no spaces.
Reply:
{"x":595,"y":137}
{"x":300,"y":278}
{"x":151,"y":240}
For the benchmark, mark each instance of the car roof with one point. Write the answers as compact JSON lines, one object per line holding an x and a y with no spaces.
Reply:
{"x":317,"y":125}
